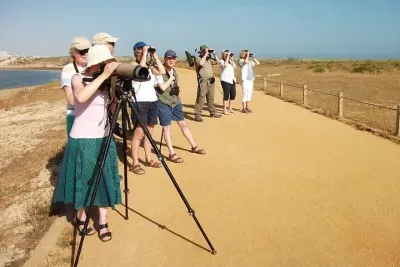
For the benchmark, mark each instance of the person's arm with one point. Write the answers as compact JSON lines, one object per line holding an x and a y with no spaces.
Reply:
{"x":164,"y":85}
{"x":66,"y":86}
{"x":202,"y":60}
{"x":69,"y":95}
{"x":84,"y":93}
{"x":216,"y":59}
{"x":160,"y":70}
{"x":246,"y":60}
{"x":256,"y":61}
{"x":143,"y":62}
{"x":233,"y":62}
{"x":226,"y":63}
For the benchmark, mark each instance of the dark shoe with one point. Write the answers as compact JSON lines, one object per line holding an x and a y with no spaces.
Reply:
{"x":198,"y":118}
{"x":216,"y":115}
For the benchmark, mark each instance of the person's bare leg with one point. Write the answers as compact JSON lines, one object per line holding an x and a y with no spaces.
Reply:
{"x":225,"y":107}
{"x":230,"y":106}
{"x":103,"y":220}
{"x":136,"y":139}
{"x":168,"y":139}
{"x":186,"y":132}
{"x":147,"y":145}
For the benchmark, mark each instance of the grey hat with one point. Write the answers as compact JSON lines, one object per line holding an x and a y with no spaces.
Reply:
{"x":170,"y":53}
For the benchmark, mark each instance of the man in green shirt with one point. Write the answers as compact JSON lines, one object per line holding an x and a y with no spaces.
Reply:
{"x":170,"y":106}
{"x":206,"y":83}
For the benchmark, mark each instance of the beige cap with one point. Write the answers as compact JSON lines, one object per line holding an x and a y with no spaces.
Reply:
{"x":102,"y":38}
{"x":97,"y":54}
{"x":81,"y":43}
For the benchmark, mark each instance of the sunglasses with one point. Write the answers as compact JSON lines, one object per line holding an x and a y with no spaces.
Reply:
{"x":111,"y":43}
{"x":83,"y":52}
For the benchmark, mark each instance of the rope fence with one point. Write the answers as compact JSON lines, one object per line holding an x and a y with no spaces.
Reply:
{"x":340,"y":100}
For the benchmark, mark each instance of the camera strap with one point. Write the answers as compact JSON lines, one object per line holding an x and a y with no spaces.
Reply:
{"x":75,"y":67}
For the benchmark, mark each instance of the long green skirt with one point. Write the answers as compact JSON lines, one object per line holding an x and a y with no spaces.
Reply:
{"x":76,"y":179}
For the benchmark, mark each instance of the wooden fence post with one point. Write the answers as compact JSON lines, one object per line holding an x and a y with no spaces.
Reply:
{"x":305,"y":102}
{"x":340,"y":105}
{"x":265,"y":85}
{"x":281,"y":89}
{"x":398,"y":121}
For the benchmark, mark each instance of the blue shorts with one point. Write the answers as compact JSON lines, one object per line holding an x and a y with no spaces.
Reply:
{"x":166,"y":114}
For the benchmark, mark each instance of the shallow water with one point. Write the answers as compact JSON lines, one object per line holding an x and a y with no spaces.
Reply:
{"x":21,"y":78}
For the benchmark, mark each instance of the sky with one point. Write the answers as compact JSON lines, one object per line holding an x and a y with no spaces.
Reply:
{"x":268,"y":28}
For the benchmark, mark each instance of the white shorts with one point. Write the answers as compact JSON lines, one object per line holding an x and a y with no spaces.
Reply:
{"x":247,"y":90}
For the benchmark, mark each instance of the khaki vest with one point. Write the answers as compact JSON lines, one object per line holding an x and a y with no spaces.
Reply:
{"x":164,"y":96}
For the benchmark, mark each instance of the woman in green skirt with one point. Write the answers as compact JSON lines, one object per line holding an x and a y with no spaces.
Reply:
{"x":90,"y":129}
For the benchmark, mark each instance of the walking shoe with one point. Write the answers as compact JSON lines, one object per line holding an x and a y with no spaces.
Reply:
{"x":198,"y":118}
{"x":216,"y":115}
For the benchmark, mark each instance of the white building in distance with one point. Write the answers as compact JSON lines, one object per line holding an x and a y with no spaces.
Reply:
{"x":4,"y":55}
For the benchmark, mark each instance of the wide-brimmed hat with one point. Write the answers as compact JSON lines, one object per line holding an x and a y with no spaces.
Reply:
{"x":103,"y":38}
{"x":80,"y":43}
{"x":98,"y":54}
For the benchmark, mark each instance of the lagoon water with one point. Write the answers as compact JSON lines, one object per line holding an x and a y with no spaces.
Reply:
{"x":21,"y":78}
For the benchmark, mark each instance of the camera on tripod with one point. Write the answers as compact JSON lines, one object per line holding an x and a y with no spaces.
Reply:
{"x":124,"y":72}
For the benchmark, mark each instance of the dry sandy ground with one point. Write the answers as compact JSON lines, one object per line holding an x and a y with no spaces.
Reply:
{"x":32,"y":132}
{"x":279,"y":187}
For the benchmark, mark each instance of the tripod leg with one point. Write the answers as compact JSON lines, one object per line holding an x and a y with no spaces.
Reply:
{"x":99,"y":170}
{"x":162,"y":134}
{"x":124,"y":131}
{"x":171,"y":176}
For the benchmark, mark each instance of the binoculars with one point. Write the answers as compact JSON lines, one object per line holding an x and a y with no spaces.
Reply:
{"x":151,"y":50}
{"x":210,"y":51}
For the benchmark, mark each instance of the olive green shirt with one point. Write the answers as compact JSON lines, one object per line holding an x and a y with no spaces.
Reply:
{"x":164,"y":96}
{"x":205,"y":71}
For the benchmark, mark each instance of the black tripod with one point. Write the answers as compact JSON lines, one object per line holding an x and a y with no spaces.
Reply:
{"x":126,"y":95}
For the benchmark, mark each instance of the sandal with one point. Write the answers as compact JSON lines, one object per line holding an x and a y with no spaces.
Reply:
{"x":103,"y":236}
{"x":153,"y":164}
{"x":249,"y":110}
{"x":244,"y":111}
{"x":77,"y":223}
{"x":136,"y":169}
{"x":198,"y":150}
{"x":175,"y":158}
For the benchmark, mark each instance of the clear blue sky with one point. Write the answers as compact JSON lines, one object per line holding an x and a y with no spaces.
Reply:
{"x":269,"y":28}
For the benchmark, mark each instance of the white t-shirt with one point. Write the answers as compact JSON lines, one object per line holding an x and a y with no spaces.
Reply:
{"x":145,"y":91}
{"x":246,"y":70}
{"x":66,"y":76}
{"x":228,"y":73}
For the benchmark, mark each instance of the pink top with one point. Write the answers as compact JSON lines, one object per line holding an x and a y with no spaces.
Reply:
{"x":91,"y":116}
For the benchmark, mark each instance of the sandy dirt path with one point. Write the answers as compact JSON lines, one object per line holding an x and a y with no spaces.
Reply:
{"x":279,"y":187}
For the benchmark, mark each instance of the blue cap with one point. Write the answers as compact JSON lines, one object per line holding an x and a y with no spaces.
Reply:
{"x":139,"y":45}
{"x":170,"y":53}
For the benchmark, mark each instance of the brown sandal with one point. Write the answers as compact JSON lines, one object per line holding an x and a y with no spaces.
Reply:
{"x":136,"y":169}
{"x":153,"y":164}
{"x":249,"y":110}
{"x":77,"y":223}
{"x":175,"y":158}
{"x":103,"y":236}
{"x":198,"y":150}
{"x":244,"y":111}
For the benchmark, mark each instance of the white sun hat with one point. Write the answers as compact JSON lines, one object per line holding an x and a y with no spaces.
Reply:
{"x":98,"y":54}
